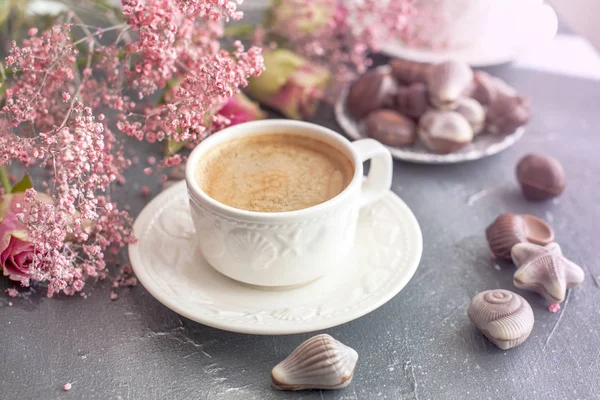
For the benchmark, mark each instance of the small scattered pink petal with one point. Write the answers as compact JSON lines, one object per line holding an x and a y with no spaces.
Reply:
{"x":10,"y":303}
{"x":113,"y":296}
{"x":553,"y":308}
{"x":147,"y":170}
{"x":130,"y":281}
{"x":145,"y":191}
{"x":12,"y":292}
{"x":151,"y":160}
{"x":67,"y":387}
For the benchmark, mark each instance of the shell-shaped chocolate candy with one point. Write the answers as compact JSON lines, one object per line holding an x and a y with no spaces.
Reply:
{"x":391,"y":128}
{"x":321,"y":362}
{"x":509,"y":229}
{"x":409,"y":72}
{"x":473,"y":113}
{"x":541,"y":177}
{"x":506,"y":113}
{"x":504,"y":317}
{"x":487,"y":88}
{"x":412,"y":100}
{"x":373,"y":90}
{"x":447,"y":82}
{"x":444,"y":131}
{"x":544,"y":270}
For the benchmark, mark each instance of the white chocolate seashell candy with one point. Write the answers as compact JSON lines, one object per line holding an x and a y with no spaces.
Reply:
{"x":447,"y":82}
{"x":504,"y":317}
{"x":321,"y":362}
{"x":444,"y":131}
{"x":544,"y":270}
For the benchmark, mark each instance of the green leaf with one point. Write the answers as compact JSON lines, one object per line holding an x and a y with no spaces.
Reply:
{"x":174,"y":147}
{"x":4,"y":11}
{"x":22,"y":185}
{"x":4,"y":179}
{"x":239,"y":31}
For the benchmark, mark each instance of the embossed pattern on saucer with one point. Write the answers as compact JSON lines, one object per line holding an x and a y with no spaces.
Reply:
{"x":168,"y":264}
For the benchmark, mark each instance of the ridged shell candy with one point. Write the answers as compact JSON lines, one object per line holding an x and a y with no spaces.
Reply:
{"x":321,"y":362}
{"x":507,"y":113}
{"x":444,"y":131}
{"x":509,"y":229}
{"x":504,"y":317}
{"x":447,"y":83}
{"x":409,"y":72}
{"x":473,"y":113}
{"x":545,"y":270}
{"x":373,"y":90}
{"x":391,"y":128}
{"x":486,"y":88}
{"x":413,"y":100}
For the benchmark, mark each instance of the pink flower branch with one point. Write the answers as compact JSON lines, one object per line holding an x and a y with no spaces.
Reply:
{"x":51,"y":117}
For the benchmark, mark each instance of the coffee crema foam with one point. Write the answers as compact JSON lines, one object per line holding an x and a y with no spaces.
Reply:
{"x":273,"y":172}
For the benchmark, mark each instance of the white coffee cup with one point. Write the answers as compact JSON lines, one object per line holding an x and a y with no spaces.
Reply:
{"x":293,"y":247}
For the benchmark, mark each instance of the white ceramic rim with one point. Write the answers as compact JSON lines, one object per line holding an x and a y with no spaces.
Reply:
{"x":366,"y":306}
{"x":486,"y":54}
{"x":273,"y":126}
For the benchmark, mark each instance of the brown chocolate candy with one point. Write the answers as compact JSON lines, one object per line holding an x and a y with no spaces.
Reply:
{"x":506,"y":113}
{"x":509,"y":229}
{"x":541,"y":177}
{"x":486,"y":88}
{"x":409,"y":72}
{"x":391,"y":128}
{"x":372,"y":91}
{"x":412,"y":100}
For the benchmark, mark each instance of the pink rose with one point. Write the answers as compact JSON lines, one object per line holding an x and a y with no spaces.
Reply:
{"x":16,"y":259}
{"x":16,"y":251}
{"x":240,"y":109}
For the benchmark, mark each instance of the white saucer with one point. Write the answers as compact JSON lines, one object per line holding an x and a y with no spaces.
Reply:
{"x":533,"y":28}
{"x":166,"y":262}
{"x":483,"y":145}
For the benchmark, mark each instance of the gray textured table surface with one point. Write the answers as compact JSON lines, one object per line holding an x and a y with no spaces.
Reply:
{"x":420,"y":345}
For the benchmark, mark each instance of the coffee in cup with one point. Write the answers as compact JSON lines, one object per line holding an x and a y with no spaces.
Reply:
{"x":273,"y":172}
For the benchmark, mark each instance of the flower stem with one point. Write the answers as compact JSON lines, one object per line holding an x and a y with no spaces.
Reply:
{"x":4,"y":179}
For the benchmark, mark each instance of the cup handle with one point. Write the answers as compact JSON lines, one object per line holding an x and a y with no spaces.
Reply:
{"x":379,"y":180}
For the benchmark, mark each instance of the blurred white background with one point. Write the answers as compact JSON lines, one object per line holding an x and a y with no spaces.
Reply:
{"x":581,"y":16}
